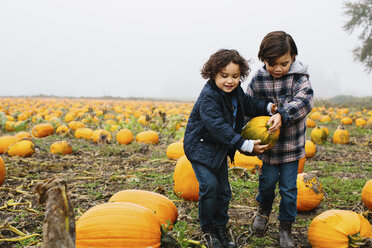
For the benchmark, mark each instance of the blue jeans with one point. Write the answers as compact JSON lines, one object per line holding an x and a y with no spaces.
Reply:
{"x":214,"y":195}
{"x":286,"y":174}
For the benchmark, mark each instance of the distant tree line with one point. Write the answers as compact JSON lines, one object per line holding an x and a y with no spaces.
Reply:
{"x":346,"y":101}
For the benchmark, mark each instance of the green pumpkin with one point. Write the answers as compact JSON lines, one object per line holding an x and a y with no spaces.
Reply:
{"x":257,"y":129}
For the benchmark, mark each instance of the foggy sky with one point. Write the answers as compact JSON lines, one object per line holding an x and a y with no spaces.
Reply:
{"x":157,"y":48}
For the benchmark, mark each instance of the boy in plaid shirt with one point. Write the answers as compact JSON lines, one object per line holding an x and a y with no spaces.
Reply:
{"x":284,"y":81}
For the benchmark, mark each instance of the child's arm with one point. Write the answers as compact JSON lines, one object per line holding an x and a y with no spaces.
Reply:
{"x":301,"y":104}
{"x":255,"y":107}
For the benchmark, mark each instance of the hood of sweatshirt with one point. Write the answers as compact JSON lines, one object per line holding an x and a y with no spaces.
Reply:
{"x":297,"y":67}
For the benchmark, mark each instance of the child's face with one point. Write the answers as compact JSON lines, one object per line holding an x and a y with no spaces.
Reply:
{"x":228,"y":78}
{"x":281,"y":65}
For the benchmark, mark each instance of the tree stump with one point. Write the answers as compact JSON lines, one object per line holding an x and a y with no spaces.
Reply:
{"x":59,"y":225}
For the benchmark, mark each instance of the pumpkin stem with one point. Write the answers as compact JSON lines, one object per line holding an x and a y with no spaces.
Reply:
{"x":356,"y":240}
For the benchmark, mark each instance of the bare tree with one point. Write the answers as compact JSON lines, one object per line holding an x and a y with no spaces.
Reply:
{"x":360,"y":14}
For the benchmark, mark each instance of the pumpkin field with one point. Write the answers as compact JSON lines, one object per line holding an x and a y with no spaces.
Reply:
{"x":127,"y":179}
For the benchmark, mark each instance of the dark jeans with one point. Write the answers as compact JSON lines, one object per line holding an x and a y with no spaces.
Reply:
{"x":214,"y":195}
{"x":286,"y":174}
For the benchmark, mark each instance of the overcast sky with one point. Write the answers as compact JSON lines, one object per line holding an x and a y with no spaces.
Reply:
{"x":156,"y":48}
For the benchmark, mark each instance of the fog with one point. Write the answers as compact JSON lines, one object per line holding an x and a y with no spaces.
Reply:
{"x":156,"y":49}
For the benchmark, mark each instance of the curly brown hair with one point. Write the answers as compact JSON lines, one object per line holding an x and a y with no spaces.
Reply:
{"x":221,"y":59}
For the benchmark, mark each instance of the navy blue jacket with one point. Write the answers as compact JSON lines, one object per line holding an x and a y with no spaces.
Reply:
{"x":209,"y":135}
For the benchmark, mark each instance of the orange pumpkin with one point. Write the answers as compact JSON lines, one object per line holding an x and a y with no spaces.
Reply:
{"x":318,"y":135}
{"x":309,"y":192}
{"x":247,"y":162}
{"x":23,"y":134}
{"x":175,"y":150}
{"x":346,"y":121}
{"x":310,"y":123}
{"x":341,"y":136}
{"x":159,"y":204}
{"x":42,"y":130}
{"x":6,"y":141}
{"x":2,"y":171}
{"x":367,"y":194}
{"x":257,"y":129}
{"x":186,"y":185}
{"x":118,"y":224}
{"x":315,"y":115}
{"x":360,"y":122}
{"x":84,"y":133}
{"x":22,"y":148}
{"x":10,"y":126}
{"x":301,"y":164}
{"x":124,"y":136}
{"x":324,"y":118}
{"x":61,"y":148}
{"x":62,"y":130}
{"x":338,"y":229}
{"x":101,"y":136}
{"x":310,"y":149}
{"x":147,"y":137}
{"x":73,"y":125}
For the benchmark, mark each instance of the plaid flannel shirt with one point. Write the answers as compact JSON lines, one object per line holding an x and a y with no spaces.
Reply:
{"x":293,"y":95}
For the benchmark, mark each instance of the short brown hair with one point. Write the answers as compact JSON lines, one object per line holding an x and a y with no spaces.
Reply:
{"x":221,"y":59}
{"x":275,"y":44}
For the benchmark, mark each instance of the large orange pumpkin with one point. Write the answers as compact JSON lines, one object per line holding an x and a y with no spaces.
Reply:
{"x":6,"y":141}
{"x":159,"y":204}
{"x":124,"y":136}
{"x":367,"y":194}
{"x":118,"y":224}
{"x":338,"y":229}
{"x":186,"y":185}
{"x":2,"y":171}
{"x":175,"y":150}
{"x":42,"y":130}
{"x":147,"y":137}
{"x":257,"y":129}
{"x":309,"y":192}
{"x":22,"y":148}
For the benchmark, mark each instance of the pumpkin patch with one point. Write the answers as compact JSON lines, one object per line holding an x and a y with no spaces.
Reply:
{"x":113,"y":164}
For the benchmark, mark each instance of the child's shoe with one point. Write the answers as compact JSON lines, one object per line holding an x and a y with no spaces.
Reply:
{"x":222,"y":236}
{"x":211,"y":237}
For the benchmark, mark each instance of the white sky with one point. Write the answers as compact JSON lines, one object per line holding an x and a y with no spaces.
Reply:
{"x":147,"y":48}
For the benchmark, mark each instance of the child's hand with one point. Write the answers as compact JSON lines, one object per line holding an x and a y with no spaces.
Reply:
{"x":276,"y":121}
{"x":259,"y":149}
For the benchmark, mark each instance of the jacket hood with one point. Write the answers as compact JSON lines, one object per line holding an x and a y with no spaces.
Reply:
{"x":297,"y":67}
